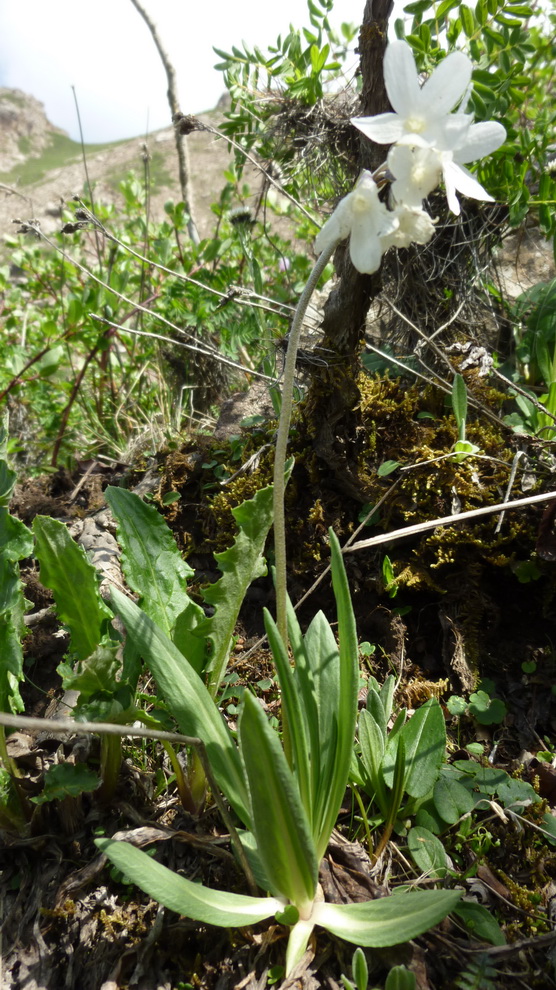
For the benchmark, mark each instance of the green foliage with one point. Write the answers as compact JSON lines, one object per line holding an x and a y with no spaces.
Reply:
{"x":66,"y":780}
{"x":398,"y":768}
{"x":288,"y":798}
{"x":16,"y":543}
{"x":66,"y":570}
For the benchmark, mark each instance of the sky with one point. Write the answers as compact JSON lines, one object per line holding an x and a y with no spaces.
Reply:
{"x":104,"y":49}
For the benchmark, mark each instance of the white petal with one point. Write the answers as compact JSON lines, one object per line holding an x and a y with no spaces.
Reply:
{"x":416,"y":170}
{"x":449,"y":132}
{"x":466,"y":183}
{"x":385,"y":128}
{"x":365,"y":248}
{"x":447,"y":85}
{"x":337,"y":227}
{"x":401,"y":78}
{"x":481,"y":139}
{"x":450,"y":185}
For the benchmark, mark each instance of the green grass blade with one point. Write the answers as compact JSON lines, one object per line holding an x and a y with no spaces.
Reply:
{"x":279,"y":822}
{"x":387,"y":920}
{"x":194,"y":900}
{"x":66,"y":570}
{"x":188,"y":700}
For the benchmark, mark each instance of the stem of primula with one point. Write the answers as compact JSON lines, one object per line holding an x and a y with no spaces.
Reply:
{"x":282,"y":440}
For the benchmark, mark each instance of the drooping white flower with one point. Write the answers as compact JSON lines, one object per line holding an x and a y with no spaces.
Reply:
{"x":413,"y":226}
{"x":417,"y":170}
{"x":364,"y":219}
{"x":418,"y":109}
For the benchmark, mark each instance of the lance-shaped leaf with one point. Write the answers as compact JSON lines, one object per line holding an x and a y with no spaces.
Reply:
{"x":279,"y":822}
{"x":194,"y":900}
{"x":346,"y":696}
{"x":65,"y":569}
{"x":187,"y":698}
{"x":387,"y":920}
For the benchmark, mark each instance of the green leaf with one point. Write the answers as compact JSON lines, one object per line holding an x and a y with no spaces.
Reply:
{"x":459,"y":399}
{"x":96,"y":673}
{"x":451,"y":799}
{"x":360,"y":969}
{"x":400,"y":978}
{"x":427,"y":852}
{"x":296,"y":715}
{"x":151,"y":561}
{"x":348,"y":688}
{"x":387,"y":920}
{"x":424,"y":737}
{"x":386,"y":468}
{"x":187,"y":698}
{"x":240,"y":565}
{"x":279,"y":822}
{"x":480,"y":922}
{"x":67,"y":780}
{"x":467,"y":20}
{"x":66,"y":570}
{"x":193,"y":900}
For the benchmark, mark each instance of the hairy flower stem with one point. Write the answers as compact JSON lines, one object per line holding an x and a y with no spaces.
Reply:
{"x":282,"y":440}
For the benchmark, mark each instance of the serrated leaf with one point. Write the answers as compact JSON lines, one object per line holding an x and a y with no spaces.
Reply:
{"x":387,"y":920}
{"x":241,"y":564}
{"x":151,"y":561}
{"x":66,"y":570}
{"x":279,"y":822}
{"x":193,"y":900}
{"x":96,"y":673}
{"x":67,"y":780}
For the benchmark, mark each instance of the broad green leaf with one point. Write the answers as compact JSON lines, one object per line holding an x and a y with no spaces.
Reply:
{"x":451,"y":799}
{"x":375,"y":708}
{"x":424,"y":736}
{"x":324,"y":662}
{"x":187,"y":698}
{"x":428,"y":853}
{"x":151,"y":561}
{"x":240,"y":565}
{"x":16,"y":541}
{"x":193,"y":900}
{"x":387,"y":920}
{"x":480,"y":923}
{"x":65,"y":569}
{"x":279,"y":822}
{"x":67,"y":780}
{"x":347,"y":694}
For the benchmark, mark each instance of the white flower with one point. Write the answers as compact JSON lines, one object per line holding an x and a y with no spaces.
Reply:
{"x":364,"y":219}
{"x":413,"y":226}
{"x":432,"y":142}
{"x":418,"y":109}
